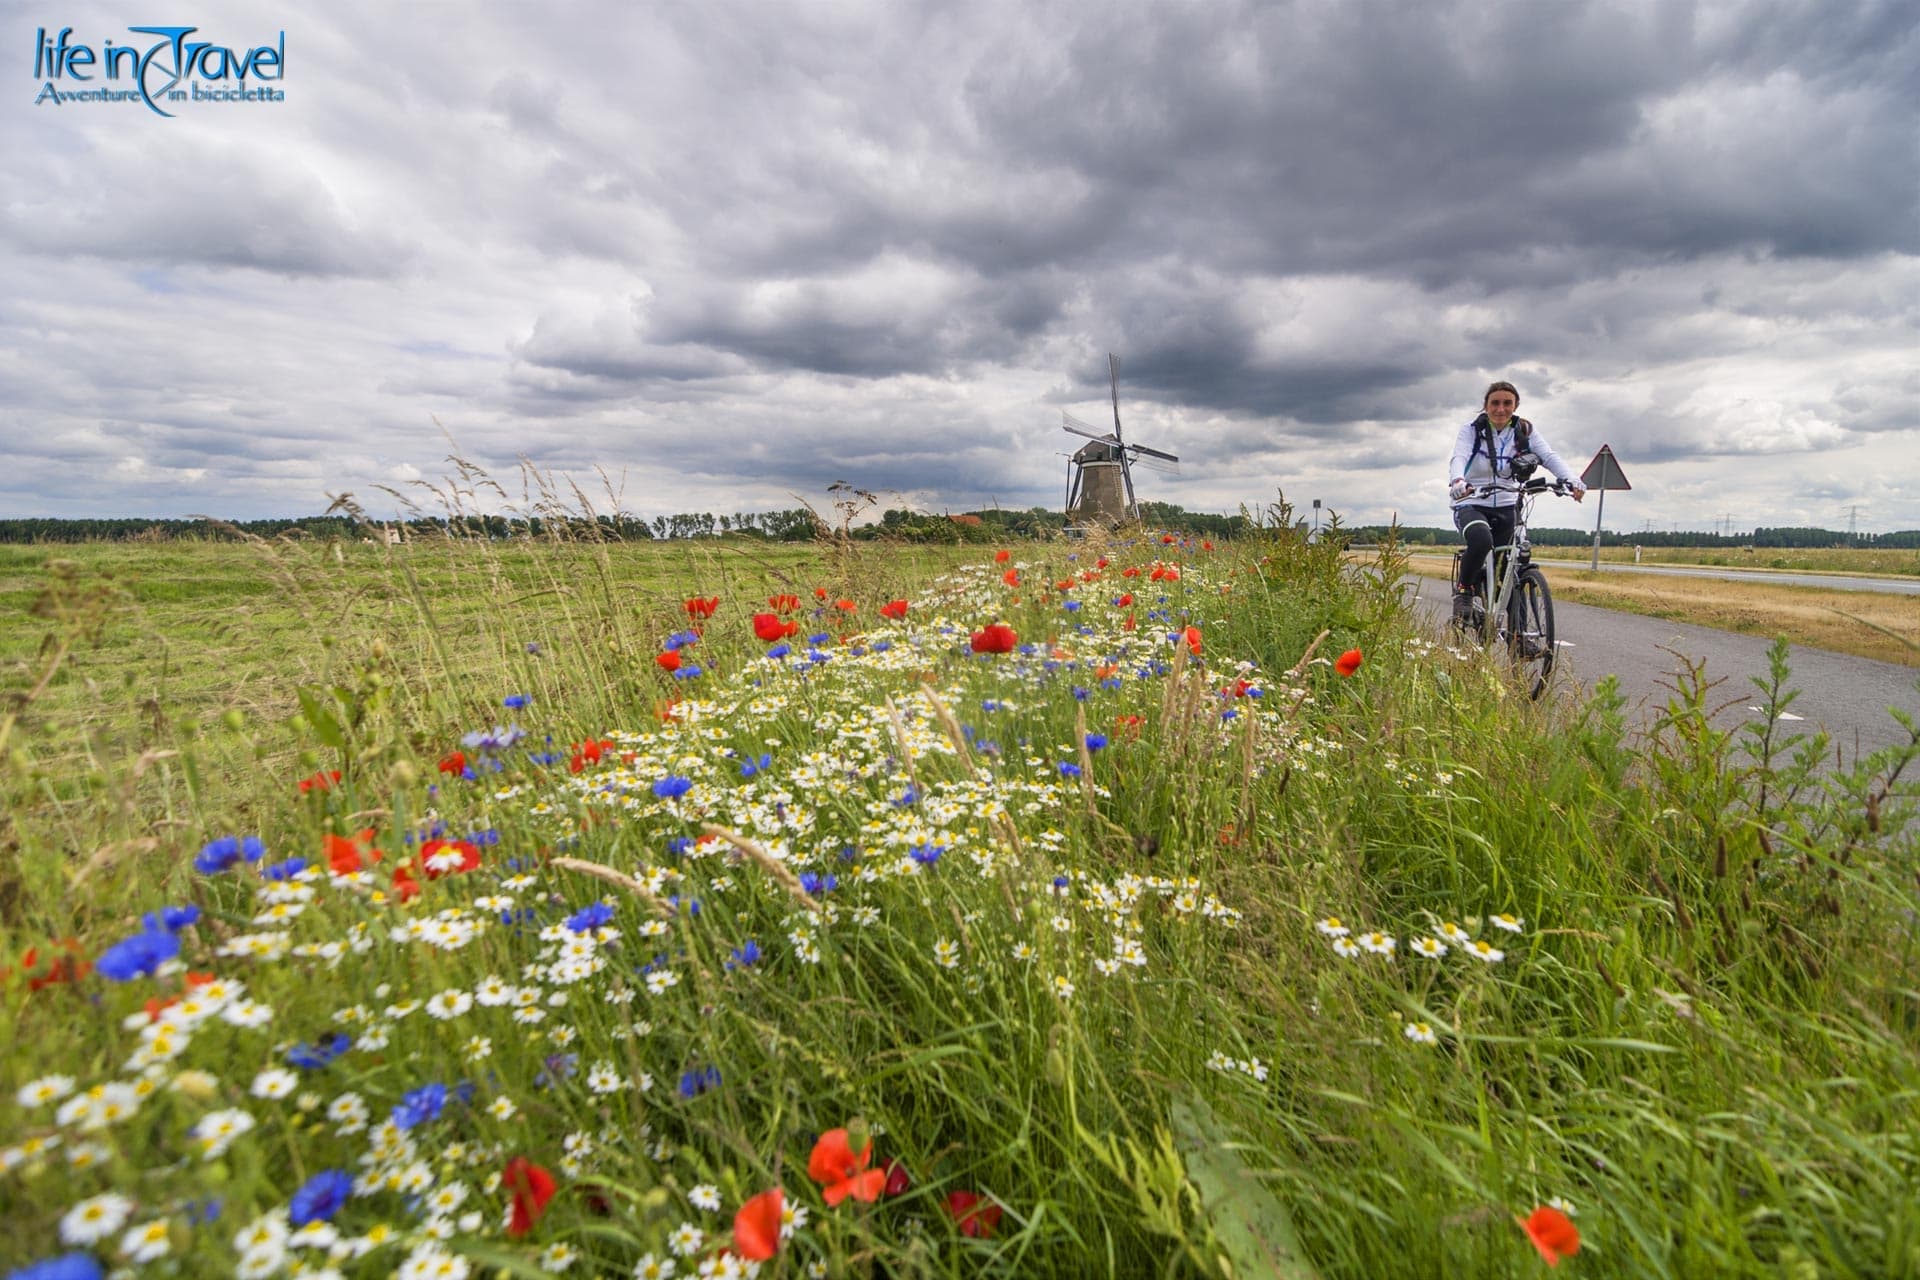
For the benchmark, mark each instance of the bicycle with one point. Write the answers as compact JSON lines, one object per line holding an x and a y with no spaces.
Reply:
{"x":1521,"y":618}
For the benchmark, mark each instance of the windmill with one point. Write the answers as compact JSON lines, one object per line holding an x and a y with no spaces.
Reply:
{"x":1100,"y":474}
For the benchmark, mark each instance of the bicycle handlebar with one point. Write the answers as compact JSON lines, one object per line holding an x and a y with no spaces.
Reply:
{"x":1535,"y":485}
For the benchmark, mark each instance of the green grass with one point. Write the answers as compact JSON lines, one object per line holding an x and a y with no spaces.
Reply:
{"x":1703,"y":1035}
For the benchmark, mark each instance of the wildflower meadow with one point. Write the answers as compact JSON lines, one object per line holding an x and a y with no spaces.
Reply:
{"x":1129,"y":905}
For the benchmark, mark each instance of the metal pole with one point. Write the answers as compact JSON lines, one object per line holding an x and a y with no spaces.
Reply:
{"x":1598,"y":516}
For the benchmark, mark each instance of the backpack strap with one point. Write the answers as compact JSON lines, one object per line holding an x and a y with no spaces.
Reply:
{"x":1483,"y":437}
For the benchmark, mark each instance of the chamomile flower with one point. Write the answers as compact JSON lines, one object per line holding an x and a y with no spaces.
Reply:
{"x":686,"y":1239}
{"x":1486,"y":951}
{"x":148,"y":1242}
{"x":557,"y":1257}
{"x":1431,"y":948}
{"x":1512,"y":924}
{"x":652,"y":1267}
{"x":1062,"y":987}
{"x":1346,"y":948}
{"x":274,"y":1083}
{"x":95,"y":1219}
{"x":946,"y":954}
{"x":705,"y":1196}
{"x":38,"y":1093}
{"x":1451,"y":932}
{"x":449,"y":1004}
{"x":1381,"y":944}
{"x":1421,"y":1033}
{"x":1333,"y":927}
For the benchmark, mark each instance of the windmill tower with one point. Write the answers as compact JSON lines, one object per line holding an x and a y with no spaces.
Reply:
{"x":1100,"y":473}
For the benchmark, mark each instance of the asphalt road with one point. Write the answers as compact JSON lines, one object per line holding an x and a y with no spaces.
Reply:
{"x":1848,"y":696}
{"x":1773,"y":577}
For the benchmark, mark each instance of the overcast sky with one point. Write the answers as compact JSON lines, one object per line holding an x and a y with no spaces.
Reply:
{"x":728,"y":253}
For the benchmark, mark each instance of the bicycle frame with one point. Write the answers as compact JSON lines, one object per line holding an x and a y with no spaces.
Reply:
{"x":1524,"y":626}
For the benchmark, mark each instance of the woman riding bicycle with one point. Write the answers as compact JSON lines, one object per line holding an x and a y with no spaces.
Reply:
{"x":1484,"y":451}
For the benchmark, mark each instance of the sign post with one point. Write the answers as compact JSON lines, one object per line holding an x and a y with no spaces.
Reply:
{"x":1603,"y":473}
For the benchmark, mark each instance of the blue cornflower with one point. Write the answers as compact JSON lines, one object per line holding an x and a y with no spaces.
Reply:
{"x":200,"y":1212}
{"x":1060,"y":885}
{"x":672,"y":787}
{"x":490,"y":836}
{"x":687,"y":672}
{"x":174,"y":919}
{"x":751,"y":766}
{"x":679,"y":845}
{"x":421,"y":1105}
{"x":547,"y":757}
{"x":779,"y":651}
{"x":681,"y":639}
{"x":696,"y":1082}
{"x":498,"y":738}
{"x":512,"y":702}
{"x":817,"y":885}
{"x":990,"y":705}
{"x":68,"y":1266}
{"x":1095,"y":741}
{"x":881,"y":646}
{"x":286,"y":870}
{"x":139,"y":955}
{"x":819,"y":639}
{"x":926,"y":854}
{"x":816,"y":657}
{"x":744,"y":956}
{"x":313,"y":1057}
{"x":1111,"y":682}
{"x":322,"y":1196}
{"x":674,"y":900}
{"x":907,"y":797}
{"x":1073,"y":606}
{"x":559,"y":1067}
{"x":1229,"y":714}
{"x":533,"y":647}
{"x":590,"y":917}
{"x":1080,"y":693}
{"x":217,"y":855}
{"x":1068,"y":769}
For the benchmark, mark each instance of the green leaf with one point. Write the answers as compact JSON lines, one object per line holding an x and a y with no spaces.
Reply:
{"x":1248,"y":1220}
{"x":326,"y":725}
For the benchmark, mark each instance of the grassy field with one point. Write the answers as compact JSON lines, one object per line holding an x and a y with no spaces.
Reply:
{"x":654,"y":918}
{"x":1885,"y":627}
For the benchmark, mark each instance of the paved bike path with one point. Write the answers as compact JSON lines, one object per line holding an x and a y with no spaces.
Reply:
{"x":1772,"y":577}
{"x":1849,"y":696}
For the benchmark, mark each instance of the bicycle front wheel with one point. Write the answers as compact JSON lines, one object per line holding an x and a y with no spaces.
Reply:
{"x":1530,"y":630}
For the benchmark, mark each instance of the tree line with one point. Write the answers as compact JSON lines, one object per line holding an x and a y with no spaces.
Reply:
{"x":1763,"y":536}
{"x":795,"y":524}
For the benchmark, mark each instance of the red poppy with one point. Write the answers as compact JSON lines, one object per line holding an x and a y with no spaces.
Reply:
{"x":1002,"y":556}
{"x":668,"y":661}
{"x":1129,"y":725}
{"x":1348,"y":663}
{"x":321,"y":781}
{"x":1166,"y":539}
{"x":1011,"y":577}
{"x":844,"y":605}
{"x":1206,"y":546}
{"x":1192,"y":637}
{"x":1125,"y":600}
{"x":1101,"y":563}
{"x":70,"y":967}
{"x":531,"y":1188}
{"x":770,"y":628}
{"x":586,"y":753}
{"x":974,"y":1214}
{"x":346,"y":855}
{"x":1126,"y":624}
{"x":783,"y":603}
{"x":699,"y":608}
{"x":819,"y":593}
{"x":1132,"y":572}
{"x":405,"y":887}
{"x":1171,"y":573}
{"x":454,"y":763}
{"x":1552,"y":1233}
{"x":895,"y":609}
{"x":756,"y":1228}
{"x":898,"y":1181}
{"x":435,"y":851}
{"x":1238,"y":689}
{"x":996,"y":638}
{"x":841,"y":1171}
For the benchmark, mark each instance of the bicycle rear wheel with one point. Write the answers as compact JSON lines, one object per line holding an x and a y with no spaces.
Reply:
{"x":1530,"y":630}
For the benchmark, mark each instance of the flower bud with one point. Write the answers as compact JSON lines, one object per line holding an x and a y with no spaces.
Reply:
{"x":859,"y":1135}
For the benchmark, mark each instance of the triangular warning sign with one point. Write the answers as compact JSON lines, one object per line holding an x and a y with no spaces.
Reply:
{"x":1604,"y":471}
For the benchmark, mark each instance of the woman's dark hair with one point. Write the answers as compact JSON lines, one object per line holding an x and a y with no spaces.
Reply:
{"x":1501,"y":386}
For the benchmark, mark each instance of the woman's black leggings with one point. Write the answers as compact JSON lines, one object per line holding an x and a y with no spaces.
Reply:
{"x":1485,"y":528}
